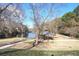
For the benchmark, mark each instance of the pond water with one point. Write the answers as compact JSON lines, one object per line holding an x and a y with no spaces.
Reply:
{"x":31,"y":35}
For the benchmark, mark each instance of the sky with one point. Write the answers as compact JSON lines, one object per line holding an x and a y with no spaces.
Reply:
{"x":59,"y":10}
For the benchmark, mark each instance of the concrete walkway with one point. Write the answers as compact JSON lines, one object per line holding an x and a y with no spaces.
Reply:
{"x":6,"y":46}
{"x":10,"y":44}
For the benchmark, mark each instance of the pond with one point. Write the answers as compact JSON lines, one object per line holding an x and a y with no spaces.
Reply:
{"x":31,"y":35}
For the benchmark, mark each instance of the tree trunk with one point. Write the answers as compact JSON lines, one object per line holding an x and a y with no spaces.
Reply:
{"x":22,"y":35}
{"x":6,"y":35}
{"x":37,"y":38}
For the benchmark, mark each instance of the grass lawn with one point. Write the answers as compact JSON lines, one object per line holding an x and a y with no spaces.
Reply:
{"x":60,"y":46}
{"x":24,"y":52}
{"x":58,"y":49}
{"x":8,"y":40}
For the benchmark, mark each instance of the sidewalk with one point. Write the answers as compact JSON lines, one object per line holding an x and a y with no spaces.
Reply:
{"x":9,"y":44}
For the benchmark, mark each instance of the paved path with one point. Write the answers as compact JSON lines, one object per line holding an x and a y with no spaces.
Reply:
{"x":6,"y":46}
{"x":10,"y":44}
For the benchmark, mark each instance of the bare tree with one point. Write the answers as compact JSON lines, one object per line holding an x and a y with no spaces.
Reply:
{"x":11,"y":18}
{"x":40,"y":20}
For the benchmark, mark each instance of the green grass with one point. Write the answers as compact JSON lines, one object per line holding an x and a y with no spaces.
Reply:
{"x":24,"y":52}
{"x":8,"y":40}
